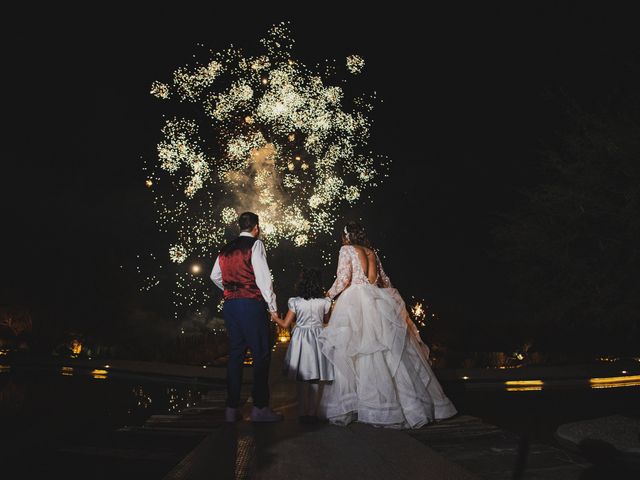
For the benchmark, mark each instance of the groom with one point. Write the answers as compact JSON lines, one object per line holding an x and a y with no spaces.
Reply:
{"x":241,"y":271}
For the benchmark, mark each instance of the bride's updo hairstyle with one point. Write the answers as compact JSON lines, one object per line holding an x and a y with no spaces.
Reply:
{"x":355,"y":234}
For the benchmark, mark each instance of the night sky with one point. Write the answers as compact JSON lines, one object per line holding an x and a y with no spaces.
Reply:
{"x":463,"y":115}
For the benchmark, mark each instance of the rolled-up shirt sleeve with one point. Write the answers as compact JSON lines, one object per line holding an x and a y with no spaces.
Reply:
{"x":263,"y":275}
{"x":216,"y":274}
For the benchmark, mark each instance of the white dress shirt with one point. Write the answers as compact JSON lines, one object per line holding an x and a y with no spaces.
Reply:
{"x":260,"y":269}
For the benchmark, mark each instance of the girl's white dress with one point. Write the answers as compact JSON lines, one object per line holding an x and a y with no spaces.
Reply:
{"x":304,"y":360}
{"x":382,"y":374}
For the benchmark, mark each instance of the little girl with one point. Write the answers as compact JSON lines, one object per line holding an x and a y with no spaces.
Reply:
{"x":304,"y":361}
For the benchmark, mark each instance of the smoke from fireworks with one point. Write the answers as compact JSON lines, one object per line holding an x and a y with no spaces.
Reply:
{"x":267,"y":134}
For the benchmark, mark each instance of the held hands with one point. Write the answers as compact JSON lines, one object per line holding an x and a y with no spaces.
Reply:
{"x":275,"y":318}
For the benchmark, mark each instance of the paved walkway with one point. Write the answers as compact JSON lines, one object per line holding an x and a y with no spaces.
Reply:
{"x":292,"y":450}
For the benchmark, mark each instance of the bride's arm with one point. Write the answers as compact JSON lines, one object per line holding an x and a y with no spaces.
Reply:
{"x":383,"y":279}
{"x":343,"y":275}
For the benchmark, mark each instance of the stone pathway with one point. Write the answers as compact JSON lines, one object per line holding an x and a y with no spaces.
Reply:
{"x":493,"y":453}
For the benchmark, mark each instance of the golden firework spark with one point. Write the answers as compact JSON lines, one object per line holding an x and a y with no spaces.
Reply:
{"x":418,"y":313}
{"x":355,"y":64}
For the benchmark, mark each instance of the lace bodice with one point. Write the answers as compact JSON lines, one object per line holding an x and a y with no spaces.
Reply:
{"x":350,"y":272}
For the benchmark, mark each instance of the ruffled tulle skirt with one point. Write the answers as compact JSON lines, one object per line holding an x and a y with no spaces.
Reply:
{"x":382,"y":374}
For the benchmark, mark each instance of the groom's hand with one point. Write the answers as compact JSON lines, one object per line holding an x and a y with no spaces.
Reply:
{"x":274,"y":317}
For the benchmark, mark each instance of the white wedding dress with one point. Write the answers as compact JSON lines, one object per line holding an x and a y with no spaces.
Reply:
{"x":382,"y":374}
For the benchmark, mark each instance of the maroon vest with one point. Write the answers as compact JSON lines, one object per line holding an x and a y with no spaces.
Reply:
{"x":238,"y":277}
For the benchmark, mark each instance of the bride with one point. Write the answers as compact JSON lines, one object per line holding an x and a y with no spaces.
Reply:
{"x":382,"y":372}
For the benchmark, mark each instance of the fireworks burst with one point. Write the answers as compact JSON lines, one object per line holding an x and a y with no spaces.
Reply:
{"x":418,"y":314}
{"x":355,"y":64}
{"x":421,"y":314}
{"x":266,"y":134}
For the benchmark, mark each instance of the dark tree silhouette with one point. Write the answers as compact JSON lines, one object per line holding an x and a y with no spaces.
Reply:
{"x":572,"y":248}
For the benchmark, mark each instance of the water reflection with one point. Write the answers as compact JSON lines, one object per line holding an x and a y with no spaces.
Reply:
{"x":99,"y":373}
{"x":74,"y":394}
{"x":143,"y":399}
{"x":47,"y":411}
{"x":615,"y":382}
{"x":528,"y":385}
{"x":12,"y":396}
{"x":523,"y":385}
{"x":179,"y":400}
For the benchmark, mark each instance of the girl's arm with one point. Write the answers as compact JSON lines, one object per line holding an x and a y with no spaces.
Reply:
{"x":288,"y":319}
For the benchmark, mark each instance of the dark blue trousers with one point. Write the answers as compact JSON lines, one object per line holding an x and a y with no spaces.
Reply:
{"x":248,"y":327}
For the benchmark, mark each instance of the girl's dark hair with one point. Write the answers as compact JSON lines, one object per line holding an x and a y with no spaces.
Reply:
{"x":357,"y":235}
{"x":309,"y":284}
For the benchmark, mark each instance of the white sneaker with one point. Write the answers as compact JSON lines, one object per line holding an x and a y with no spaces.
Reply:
{"x":232,"y":414}
{"x":265,"y":414}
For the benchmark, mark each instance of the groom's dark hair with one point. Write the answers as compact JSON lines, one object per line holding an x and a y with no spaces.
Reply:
{"x":247,"y":221}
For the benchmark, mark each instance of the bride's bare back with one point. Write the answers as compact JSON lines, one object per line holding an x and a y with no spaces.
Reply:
{"x":368,"y":262}
{"x":368,"y":269}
